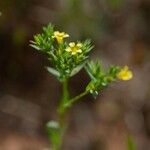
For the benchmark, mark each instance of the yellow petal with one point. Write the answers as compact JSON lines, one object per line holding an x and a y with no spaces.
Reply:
{"x":68,"y":49}
{"x":73,"y":53}
{"x":71,"y":44}
{"x":79,"y":45}
{"x":125,"y":74}
{"x":66,"y":35}
{"x":56,"y":33}
{"x":79,"y":51}
{"x":59,"y":40}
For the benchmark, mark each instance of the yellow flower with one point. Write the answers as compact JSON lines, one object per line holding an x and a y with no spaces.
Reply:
{"x":60,"y":36}
{"x":74,"y":48}
{"x":125,"y":74}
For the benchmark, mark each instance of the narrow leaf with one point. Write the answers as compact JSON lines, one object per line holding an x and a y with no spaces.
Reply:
{"x":36,"y":47}
{"x":77,"y":69}
{"x":53,"y":71}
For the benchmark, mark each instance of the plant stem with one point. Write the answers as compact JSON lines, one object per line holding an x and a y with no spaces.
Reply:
{"x":65,"y":104}
{"x":61,"y":112}
{"x":65,"y":96}
{"x":64,"y":100}
{"x":75,"y":99}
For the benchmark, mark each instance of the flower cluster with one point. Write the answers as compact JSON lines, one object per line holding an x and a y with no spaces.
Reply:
{"x":101,"y":79}
{"x":67,"y":58}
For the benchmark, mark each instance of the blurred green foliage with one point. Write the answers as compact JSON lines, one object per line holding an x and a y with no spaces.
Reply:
{"x":131,"y":143}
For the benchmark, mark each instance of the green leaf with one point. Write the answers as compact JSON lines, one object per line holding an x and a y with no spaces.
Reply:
{"x":53,"y":71}
{"x":93,"y":69}
{"x":113,"y":70}
{"x":36,"y":47}
{"x":77,"y":69}
{"x":87,"y":45}
{"x":53,"y":129}
{"x":44,"y":41}
{"x":53,"y":125}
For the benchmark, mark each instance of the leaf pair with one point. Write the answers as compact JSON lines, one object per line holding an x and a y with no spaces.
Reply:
{"x":58,"y":75}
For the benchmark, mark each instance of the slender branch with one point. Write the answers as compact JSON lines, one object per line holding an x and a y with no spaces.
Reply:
{"x":75,"y":99}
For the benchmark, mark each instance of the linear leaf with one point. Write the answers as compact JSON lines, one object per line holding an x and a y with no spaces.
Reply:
{"x":77,"y":69}
{"x":53,"y":71}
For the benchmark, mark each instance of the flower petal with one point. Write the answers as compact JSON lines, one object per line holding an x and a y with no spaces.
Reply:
{"x":71,"y":44}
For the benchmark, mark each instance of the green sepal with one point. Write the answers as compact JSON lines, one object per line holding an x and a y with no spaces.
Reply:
{"x":95,"y":94}
{"x":93,"y":88}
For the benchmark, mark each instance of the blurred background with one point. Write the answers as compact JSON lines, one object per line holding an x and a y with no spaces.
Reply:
{"x":120,"y":31}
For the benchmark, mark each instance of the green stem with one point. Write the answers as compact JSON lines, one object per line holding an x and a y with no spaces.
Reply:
{"x":65,"y":104}
{"x":64,"y":100}
{"x":65,"y":96}
{"x":61,"y":113}
{"x":75,"y":99}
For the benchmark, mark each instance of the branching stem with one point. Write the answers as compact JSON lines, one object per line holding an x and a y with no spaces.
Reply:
{"x":65,"y":104}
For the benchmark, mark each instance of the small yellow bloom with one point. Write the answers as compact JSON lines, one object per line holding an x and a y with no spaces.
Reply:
{"x":60,"y":36}
{"x":74,"y":48}
{"x":125,"y":74}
